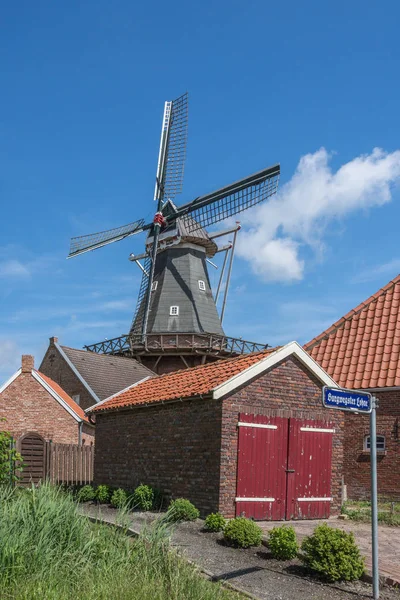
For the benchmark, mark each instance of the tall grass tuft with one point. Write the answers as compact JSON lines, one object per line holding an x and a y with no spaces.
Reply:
{"x":49,"y":551}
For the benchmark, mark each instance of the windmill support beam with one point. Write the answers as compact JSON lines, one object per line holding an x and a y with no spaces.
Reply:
{"x":228,"y":280}
{"x":217,"y":234}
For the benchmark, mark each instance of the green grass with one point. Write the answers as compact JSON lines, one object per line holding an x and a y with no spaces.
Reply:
{"x":388,"y":512}
{"x":49,"y":551}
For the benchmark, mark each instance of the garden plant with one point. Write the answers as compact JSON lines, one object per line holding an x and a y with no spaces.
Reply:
{"x":282,"y":542}
{"x":242,"y":532}
{"x":333,"y":554}
{"x":182,"y":510}
{"x":215,"y":522}
{"x":50,"y":551}
{"x":143,"y":497}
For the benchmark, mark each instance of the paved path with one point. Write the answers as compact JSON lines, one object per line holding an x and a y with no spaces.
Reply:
{"x":389,"y":541}
{"x":252,"y":570}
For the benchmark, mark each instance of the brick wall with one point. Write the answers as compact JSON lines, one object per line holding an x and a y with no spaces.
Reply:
{"x":28,"y":407}
{"x":287,"y":390}
{"x":357,"y":460}
{"x":54,"y":366}
{"x":174,"y":447}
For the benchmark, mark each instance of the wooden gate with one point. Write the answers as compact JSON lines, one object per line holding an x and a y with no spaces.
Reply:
{"x":33,"y":450}
{"x":284,"y":468}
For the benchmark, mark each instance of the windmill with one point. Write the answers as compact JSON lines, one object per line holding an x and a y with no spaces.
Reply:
{"x":176,"y":312}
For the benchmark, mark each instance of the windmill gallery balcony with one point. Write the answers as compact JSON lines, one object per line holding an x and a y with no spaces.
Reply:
{"x":176,"y":343}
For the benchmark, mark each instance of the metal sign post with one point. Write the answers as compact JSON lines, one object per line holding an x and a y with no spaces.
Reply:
{"x":362,"y":402}
{"x":374,"y":500}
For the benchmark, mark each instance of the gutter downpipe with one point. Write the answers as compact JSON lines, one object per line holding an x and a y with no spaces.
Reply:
{"x":80,"y":428}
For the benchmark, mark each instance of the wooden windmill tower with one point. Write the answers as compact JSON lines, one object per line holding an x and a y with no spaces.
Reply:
{"x":176,"y":322}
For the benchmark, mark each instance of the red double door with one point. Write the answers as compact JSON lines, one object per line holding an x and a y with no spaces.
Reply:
{"x":284,"y":468}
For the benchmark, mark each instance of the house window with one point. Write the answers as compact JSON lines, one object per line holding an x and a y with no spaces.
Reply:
{"x":174,"y":311}
{"x":202,"y":285}
{"x":76,"y":398}
{"x":380,"y":443}
{"x":154,"y":286}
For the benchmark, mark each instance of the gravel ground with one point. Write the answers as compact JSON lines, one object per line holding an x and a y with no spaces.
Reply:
{"x":253,"y":570}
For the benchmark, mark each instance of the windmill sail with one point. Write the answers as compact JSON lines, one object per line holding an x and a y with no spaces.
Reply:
{"x":230,"y":200}
{"x":85,"y":243}
{"x":137,"y":322}
{"x":176,"y":148}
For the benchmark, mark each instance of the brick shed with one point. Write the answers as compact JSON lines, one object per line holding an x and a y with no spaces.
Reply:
{"x":246,"y":435}
{"x":362,"y":351}
{"x":32,"y":403}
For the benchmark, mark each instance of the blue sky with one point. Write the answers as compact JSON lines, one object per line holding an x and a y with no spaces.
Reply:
{"x":311,"y":85}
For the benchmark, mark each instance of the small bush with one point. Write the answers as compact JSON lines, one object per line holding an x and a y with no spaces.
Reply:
{"x":333,"y":554}
{"x":182,"y":510}
{"x":85,"y":494}
{"x":119,"y":498}
{"x":242,"y":532}
{"x":282,"y":542}
{"x":143,"y":497}
{"x":215,"y":522}
{"x":102,"y":494}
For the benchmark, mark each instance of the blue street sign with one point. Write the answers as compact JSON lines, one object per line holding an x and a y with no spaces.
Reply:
{"x":351,"y":400}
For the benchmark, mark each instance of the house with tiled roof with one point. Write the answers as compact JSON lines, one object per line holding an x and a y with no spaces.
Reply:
{"x":362,"y":351}
{"x":243,"y":436}
{"x":88,"y":377}
{"x":36,"y":407}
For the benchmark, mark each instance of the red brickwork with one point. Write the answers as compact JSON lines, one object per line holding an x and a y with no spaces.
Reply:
{"x":357,"y":460}
{"x":54,"y":366}
{"x":28,"y":407}
{"x":174,"y":447}
{"x":287,"y":390}
{"x":189,"y":448}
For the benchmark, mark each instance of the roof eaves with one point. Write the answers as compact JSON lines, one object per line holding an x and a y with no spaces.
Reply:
{"x":56,"y":396}
{"x":76,"y":372}
{"x":292,"y":348}
{"x":10,"y":380}
{"x":125,"y":407}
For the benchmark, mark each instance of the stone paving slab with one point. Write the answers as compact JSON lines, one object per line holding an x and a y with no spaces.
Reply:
{"x":388,"y":537}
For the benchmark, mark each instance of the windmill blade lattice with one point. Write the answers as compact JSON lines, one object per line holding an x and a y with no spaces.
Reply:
{"x":231,"y":200}
{"x":85,"y":243}
{"x":137,"y":322}
{"x":176,"y":148}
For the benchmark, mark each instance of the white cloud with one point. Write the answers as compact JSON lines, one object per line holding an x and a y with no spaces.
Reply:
{"x":389,"y":268}
{"x":14,"y":268}
{"x":315,"y":196}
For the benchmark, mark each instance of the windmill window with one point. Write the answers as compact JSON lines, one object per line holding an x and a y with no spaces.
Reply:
{"x":154,"y":286}
{"x":76,"y":398}
{"x":380,"y":443}
{"x":174,"y":311}
{"x":202,"y":285}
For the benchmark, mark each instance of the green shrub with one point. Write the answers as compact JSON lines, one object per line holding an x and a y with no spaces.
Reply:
{"x":333,"y":554}
{"x":11,"y":461}
{"x":215,"y":522}
{"x":182,"y":510}
{"x":143,"y":497}
{"x":85,"y":494}
{"x":282,"y":542}
{"x":119,"y":498}
{"x":102,"y":494}
{"x":242,"y":532}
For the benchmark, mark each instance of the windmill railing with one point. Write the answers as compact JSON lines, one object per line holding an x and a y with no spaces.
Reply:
{"x":176,"y":342}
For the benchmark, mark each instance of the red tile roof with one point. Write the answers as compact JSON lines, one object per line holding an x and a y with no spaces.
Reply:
{"x":186,"y":383}
{"x":362,"y":349}
{"x":67,"y":399}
